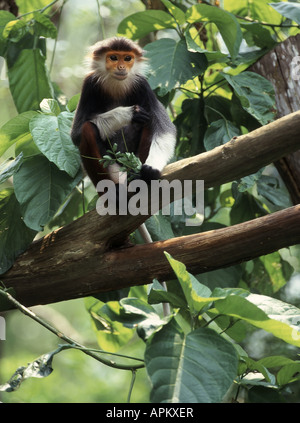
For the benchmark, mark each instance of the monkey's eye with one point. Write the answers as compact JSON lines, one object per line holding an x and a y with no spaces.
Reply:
{"x":127,"y":58}
{"x":113,"y":58}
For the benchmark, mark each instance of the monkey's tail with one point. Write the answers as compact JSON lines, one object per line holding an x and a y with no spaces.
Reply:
{"x":147,"y":239}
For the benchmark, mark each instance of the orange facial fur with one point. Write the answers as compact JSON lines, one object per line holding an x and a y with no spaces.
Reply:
{"x":119,"y":63}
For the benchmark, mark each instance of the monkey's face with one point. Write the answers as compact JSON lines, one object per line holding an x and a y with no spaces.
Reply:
{"x":119,"y":63}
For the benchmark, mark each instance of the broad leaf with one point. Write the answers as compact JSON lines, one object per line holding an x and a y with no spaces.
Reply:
{"x":218,"y":133}
{"x":29,"y":80}
{"x":141,"y":23}
{"x":108,"y":324}
{"x":16,"y":129}
{"x":225,"y":21}
{"x":176,"y":12}
{"x":41,"y":188}
{"x":197,"y":295}
{"x":274,"y":316}
{"x":288,"y":10}
{"x":194,"y":368}
{"x":9,"y":167}
{"x":256,"y":95}
{"x":15,"y":236}
{"x":43,"y":27}
{"x":172,"y":64}
{"x":52,"y":136}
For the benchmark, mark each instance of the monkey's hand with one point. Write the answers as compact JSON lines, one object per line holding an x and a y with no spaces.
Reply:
{"x":149,"y":173}
{"x":140,"y":115}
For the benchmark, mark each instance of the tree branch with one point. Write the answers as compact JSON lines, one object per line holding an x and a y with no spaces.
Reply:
{"x":78,"y":260}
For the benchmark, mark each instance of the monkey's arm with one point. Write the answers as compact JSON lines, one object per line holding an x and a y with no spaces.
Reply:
{"x":110,"y":122}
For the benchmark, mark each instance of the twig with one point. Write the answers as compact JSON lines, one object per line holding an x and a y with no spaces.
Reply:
{"x":85,"y":350}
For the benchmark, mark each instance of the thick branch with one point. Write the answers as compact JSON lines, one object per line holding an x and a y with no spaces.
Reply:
{"x":77,"y":260}
{"x":140,"y":264}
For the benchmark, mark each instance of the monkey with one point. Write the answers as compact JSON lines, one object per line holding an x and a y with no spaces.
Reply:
{"x":117,"y":105}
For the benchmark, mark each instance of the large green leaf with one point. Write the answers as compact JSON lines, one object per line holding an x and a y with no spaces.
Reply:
{"x":219,"y":132}
{"x":141,"y":23}
{"x":52,"y":136}
{"x":274,"y":316}
{"x":16,"y":129}
{"x":288,"y":10}
{"x":226,"y":22}
{"x":15,"y":236}
{"x":108,"y":324}
{"x":29,"y":80}
{"x":256,"y":95}
{"x":195,"y":368}
{"x":197,"y":295}
{"x":172,"y":64}
{"x":41,"y":188}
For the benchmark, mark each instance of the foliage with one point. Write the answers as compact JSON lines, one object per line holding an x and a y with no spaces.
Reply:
{"x":199,"y":68}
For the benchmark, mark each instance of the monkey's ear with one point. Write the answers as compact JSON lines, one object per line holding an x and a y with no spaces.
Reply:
{"x":149,"y":173}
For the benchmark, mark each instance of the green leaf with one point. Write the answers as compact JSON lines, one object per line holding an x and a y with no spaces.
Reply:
{"x":142,"y":316}
{"x":52,"y":136}
{"x":274,"y":268}
{"x":288,"y":10}
{"x":177,"y":13}
{"x":194,"y":368}
{"x":257,"y":35}
{"x":16,"y":129}
{"x":193,"y":47}
{"x":43,"y":27}
{"x":269,"y":188}
{"x":26,"y":6}
{"x":159,"y":295}
{"x":263,"y":312}
{"x":6,"y":171}
{"x":5,"y":17}
{"x":15,"y":30}
{"x":256,"y":95}
{"x":226,"y":22}
{"x":172,"y":64}
{"x":29,"y":80}
{"x":50,"y":106}
{"x":219,"y":132}
{"x":41,"y":188}
{"x":141,"y":23}
{"x":196,"y":294}
{"x":15,"y":236}
{"x":72,"y":103}
{"x":288,"y":373}
{"x":108,"y":324}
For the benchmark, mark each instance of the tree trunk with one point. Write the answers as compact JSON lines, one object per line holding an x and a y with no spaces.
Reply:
{"x":276,"y":66}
